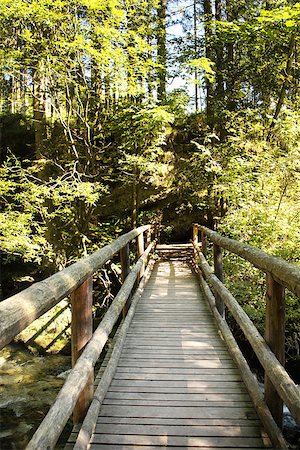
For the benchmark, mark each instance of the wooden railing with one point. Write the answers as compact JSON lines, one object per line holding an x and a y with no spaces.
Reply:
{"x":20,"y":310}
{"x":279,"y":387}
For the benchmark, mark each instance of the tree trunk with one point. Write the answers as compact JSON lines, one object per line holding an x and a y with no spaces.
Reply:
{"x":38,"y":110}
{"x":161,"y":51}
{"x":230,"y":75}
{"x":219,"y":73}
{"x":16,"y":96}
{"x":284,"y":86}
{"x":209,"y":54}
{"x":196,"y":55}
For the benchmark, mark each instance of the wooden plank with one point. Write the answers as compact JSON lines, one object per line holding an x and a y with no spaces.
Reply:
{"x":179,"y":430}
{"x":178,"y":364}
{"x":212,"y":397}
{"x":178,"y":352}
{"x":193,"y":343}
{"x":167,"y":376}
{"x":150,"y":447}
{"x":182,"y":390}
{"x":187,"y":422}
{"x":172,"y":348}
{"x":179,"y":412}
{"x":177,"y":356}
{"x":178,"y":403}
{"x":175,"y":371}
{"x":175,"y":441}
{"x":189,"y":381}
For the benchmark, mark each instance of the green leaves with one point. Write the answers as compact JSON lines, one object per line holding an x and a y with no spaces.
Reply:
{"x":205,"y":65}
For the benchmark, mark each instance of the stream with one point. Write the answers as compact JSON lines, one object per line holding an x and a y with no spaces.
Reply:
{"x":28,"y":387}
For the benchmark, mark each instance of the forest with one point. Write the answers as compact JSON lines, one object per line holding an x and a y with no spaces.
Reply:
{"x":121,"y":112}
{"x":117,"y":113}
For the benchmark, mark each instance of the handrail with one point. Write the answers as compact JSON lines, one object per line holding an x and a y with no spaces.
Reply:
{"x":270,"y":351}
{"x":287,"y":274}
{"x":20,"y":310}
{"x":50,"y":429}
{"x":248,"y":377}
{"x":287,"y":389}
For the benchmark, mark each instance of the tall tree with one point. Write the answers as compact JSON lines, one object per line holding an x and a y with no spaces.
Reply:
{"x":161,"y":50}
{"x":208,"y":17}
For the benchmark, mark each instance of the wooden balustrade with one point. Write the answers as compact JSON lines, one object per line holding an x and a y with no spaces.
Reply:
{"x":17,"y":312}
{"x":280,"y":274}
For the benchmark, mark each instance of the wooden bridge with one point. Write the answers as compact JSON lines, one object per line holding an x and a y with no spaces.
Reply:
{"x":174,"y":376}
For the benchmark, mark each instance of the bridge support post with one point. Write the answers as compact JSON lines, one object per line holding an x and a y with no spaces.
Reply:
{"x":275,"y":338}
{"x":218,"y":269}
{"x":82,"y":331}
{"x":125,"y":266}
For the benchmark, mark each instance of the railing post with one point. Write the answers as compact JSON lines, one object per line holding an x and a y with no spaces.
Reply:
{"x":82,"y":331}
{"x":218,"y":269}
{"x":125,"y":266}
{"x":195,"y":233}
{"x":275,"y":338}
{"x":125,"y":262}
{"x":140,"y":251}
{"x":204,"y":244}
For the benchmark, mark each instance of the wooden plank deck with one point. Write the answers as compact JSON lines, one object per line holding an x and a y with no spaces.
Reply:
{"x":176,"y":385}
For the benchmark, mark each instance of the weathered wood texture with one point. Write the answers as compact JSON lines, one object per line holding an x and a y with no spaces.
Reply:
{"x":175,"y":384}
{"x":249,"y":379}
{"x":20,"y":310}
{"x":275,"y":338}
{"x":50,"y":429}
{"x":285,"y":273}
{"x":106,"y":374}
{"x":81,"y":333}
{"x":285,"y":386}
{"x":218,"y":266}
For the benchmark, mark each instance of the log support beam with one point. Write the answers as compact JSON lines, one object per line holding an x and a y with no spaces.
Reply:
{"x":275,"y":338}
{"x":140,"y":251}
{"x":82,"y":331}
{"x":125,"y":266}
{"x":218,"y":269}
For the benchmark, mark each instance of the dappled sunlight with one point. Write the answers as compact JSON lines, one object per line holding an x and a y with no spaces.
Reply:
{"x":175,"y":385}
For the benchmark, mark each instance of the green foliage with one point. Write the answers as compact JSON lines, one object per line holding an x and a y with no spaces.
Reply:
{"x":45,"y":222}
{"x":261,"y":184}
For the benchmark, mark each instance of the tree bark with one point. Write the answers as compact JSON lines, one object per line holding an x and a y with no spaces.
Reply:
{"x":209,"y":54}
{"x":38,"y":110}
{"x":230,"y":76}
{"x":195,"y":54}
{"x":219,"y":73}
